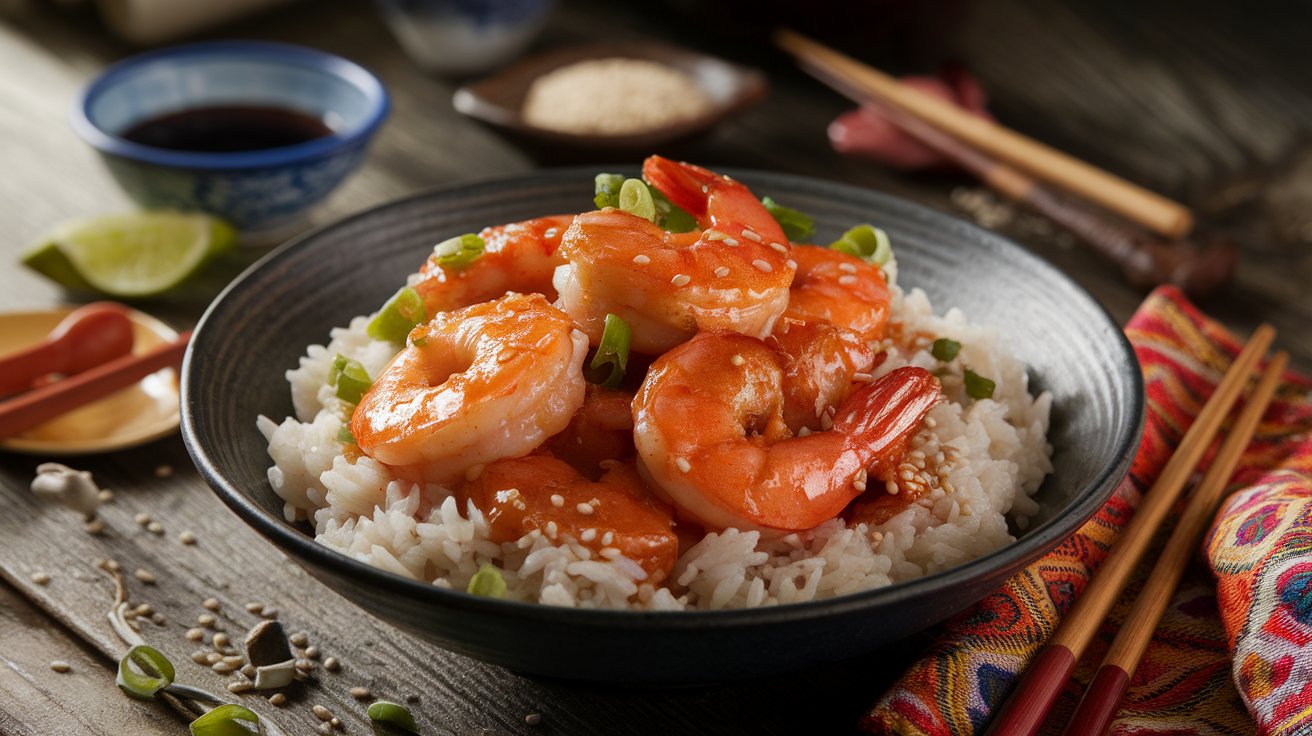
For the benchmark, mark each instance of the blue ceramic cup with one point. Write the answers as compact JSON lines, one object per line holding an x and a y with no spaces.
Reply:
{"x":255,"y":190}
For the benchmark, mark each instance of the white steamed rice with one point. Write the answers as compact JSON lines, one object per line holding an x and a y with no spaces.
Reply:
{"x":995,"y":456}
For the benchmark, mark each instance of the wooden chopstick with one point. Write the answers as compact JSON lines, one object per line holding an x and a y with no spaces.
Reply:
{"x":1131,"y":201}
{"x":45,"y":403}
{"x":1113,"y":677}
{"x":1027,"y":707}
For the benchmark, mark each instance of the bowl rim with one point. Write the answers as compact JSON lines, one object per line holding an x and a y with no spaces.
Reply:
{"x":304,"y":549}
{"x":282,"y":53}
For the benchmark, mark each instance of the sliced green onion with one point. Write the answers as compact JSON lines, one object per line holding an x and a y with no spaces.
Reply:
{"x":977,"y":386}
{"x":636,"y":199}
{"x":392,"y":716}
{"x":670,"y":217}
{"x":866,"y":242}
{"x":606,"y":187}
{"x":797,"y":225}
{"x":350,"y":378}
{"x":155,"y":675}
{"x":398,"y":316}
{"x":944,"y":349}
{"x":225,"y":720}
{"x":487,"y":582}
{"x":613,"y":351}
{"x":345,"y":437}
{"x":458,"y":252}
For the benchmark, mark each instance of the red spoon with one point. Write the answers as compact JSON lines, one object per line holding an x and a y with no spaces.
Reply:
{"x":89,"y":336}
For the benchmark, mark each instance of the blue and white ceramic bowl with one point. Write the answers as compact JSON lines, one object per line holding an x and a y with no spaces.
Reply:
{"x":255,"y":190}
{"x":464,"y":36}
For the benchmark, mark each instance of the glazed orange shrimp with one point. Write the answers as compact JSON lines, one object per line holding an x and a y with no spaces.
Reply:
{"x":838,"y":288}
{"x":471,"y":386}
{"x":822,"y":364}
{"x":731,"y":275}
{"x":601,"y":430}
{"x":711,"y":437}
{"x":518,"y":257}
{"x":544,"y":493}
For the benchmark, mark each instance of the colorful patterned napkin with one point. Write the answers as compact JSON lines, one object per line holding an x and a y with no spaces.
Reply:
{"x":1233,"y":654}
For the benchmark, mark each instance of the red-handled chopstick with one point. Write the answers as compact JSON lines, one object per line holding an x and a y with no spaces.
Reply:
{"x":1027,"y":708}
{"x":45,"y":403}
{"x":1112,"y":679}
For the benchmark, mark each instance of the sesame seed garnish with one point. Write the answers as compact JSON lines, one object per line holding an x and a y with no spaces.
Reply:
{"x":906,"y":475}
{"x":331,"y":664}
{"x":682,"y":464}
{"x":731,"y":242}
{"x":40,"y":578}
{"x":211,"y":604}
{"x":608,"y":537}
{"x":826,"y":422}
{"x":254,"y":608}
{"x":277,"y":699}
{"x":212,"y":657}
{"x":588,"y":535}
{"x":585,"y":509}
{"x":681,"y":279}
{"x":550,"y":232}
{"x":234,"y":660}
{"x":322,"y":713}
{"x":762,"y":265}
{"x":737,"y":359}
{"x":200,"y":656}
{"x":145,"y":609}
{"x":705,"y":189}
{"x":223,"y":668}
{"x":220,"y":640}
{"x":792,"y":265}
{"x":312,"y":652}
{"x":847,"y":268}
{"x":804,"y":432}
{"x":780,"y":247}
{"x":238,"y":688}
{"x":269,"y":613}
{"x":195,"y":634}
{"x":713,"y":235}
{"x":892,"y":487}
{"x":847,"y":280}
{"x":60,"y":665}
{"x":299,"y":639}
{"x":145,"y":576}
{"x":360,"y":693}
{"x":206,"y":620}
{"x":155,"y":527}
{"x":860,"y":377}
{"x":187,"y":537}
{"x":859,"y":485}
{"x":751,"y":235}
{"x":721,"y":272}
{"x":142,"y":518}
{"x":557,"y":500}
{"x":641,"y":259}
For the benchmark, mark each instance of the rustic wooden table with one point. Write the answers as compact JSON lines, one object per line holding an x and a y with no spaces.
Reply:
{"x":1199,"y":102}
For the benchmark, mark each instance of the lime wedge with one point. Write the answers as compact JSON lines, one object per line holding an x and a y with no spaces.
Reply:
{"x":133,"y":255}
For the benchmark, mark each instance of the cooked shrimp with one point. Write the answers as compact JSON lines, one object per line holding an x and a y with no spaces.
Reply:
{"x":733,"y":275}
{"x":710,"y":433}
{"x":544,"y":493}
{"x":518,"y":257}
{"x":471,"y":386}
{"x":601,"y":430}
{"x":822,"y":365}
{"x":838,"y":288}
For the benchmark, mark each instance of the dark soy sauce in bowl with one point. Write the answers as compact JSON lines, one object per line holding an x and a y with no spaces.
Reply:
{"x":228,"y":129}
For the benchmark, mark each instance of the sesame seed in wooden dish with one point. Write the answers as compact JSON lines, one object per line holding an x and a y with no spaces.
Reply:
{"x":60,"y":666}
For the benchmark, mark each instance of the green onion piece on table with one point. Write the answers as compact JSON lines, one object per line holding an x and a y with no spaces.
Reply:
{"x":458,"y":252}
{"x":977,"y":386}
{"x":944,"y":349}
{"x":350,"y":378}
{"x":606,"y":188}
{"x":613,"y":351}
{"x":156,"y":672}
{"x":398,"y":316}
{"x":796,"y":225}
{"x":866,"y":242}
{"x":225,"y":720}
{"x":395,"y":718}
{"x":636,"y":199}
{"x":487,"y":582}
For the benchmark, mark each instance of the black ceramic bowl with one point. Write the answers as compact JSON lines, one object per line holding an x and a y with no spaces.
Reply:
{"x":261,"y":324}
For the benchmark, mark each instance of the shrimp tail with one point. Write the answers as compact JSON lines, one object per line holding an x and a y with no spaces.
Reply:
{"x":884,"y":414}
{"x":683,"y":184}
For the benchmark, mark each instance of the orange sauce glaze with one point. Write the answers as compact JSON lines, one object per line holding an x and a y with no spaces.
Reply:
{"x":516,"y":495}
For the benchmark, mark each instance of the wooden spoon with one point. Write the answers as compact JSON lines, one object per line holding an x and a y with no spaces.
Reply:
{"x":89,"y":336}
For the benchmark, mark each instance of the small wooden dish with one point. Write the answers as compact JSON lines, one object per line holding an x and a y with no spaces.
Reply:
{"x":499,"y":99}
